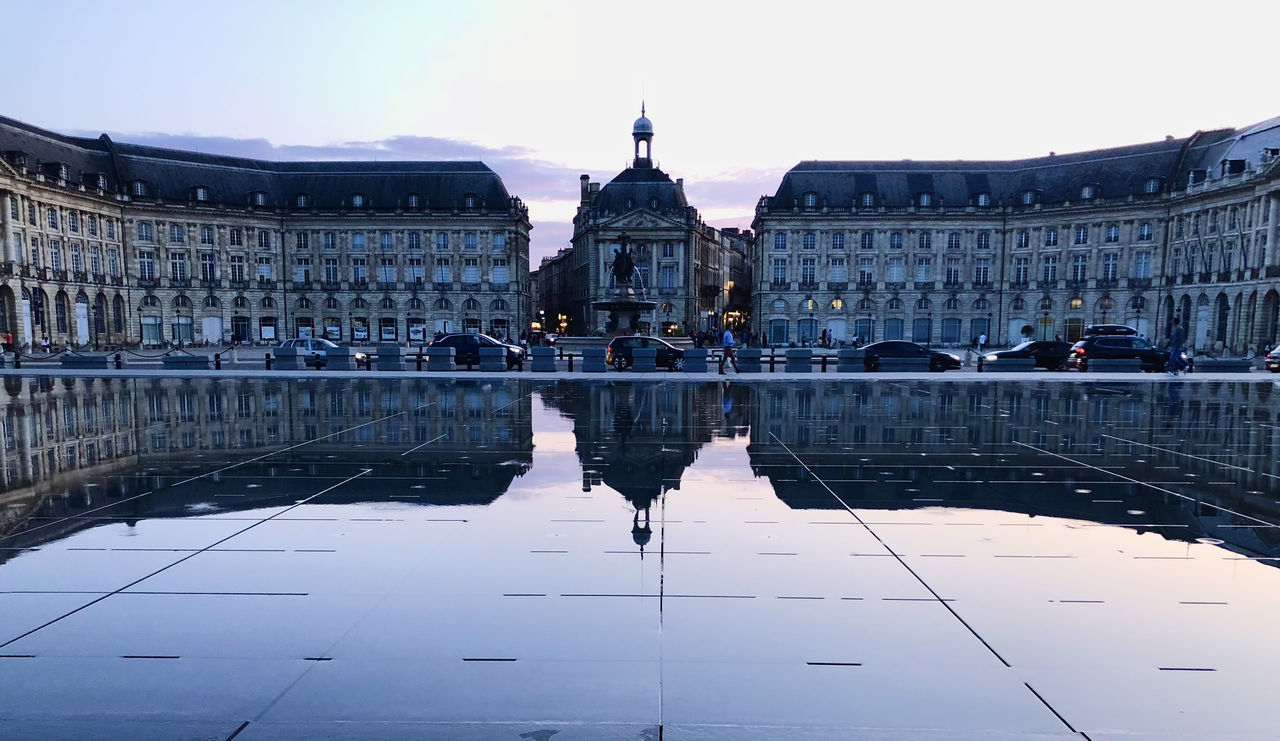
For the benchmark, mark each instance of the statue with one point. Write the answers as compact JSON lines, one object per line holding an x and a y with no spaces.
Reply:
{"x":623,"y":266}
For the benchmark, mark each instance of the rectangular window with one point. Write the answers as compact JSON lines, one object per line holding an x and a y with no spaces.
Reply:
{"x":95,"y":261}
{"x":386,"y":242}
{"x":302,"y":270}
{"x":925,"y":240}
{"x":1142,"y":265}
{"x":500,"y":277}
{"x":442,"y":242}
{"x":206,"y":235}
{"x":1079,"y":268}
{"x":868,"y":240}
{"x":982,"y":271}
{"x":208,"y":266}
{"x":668,"y":250}
{"x":1023,"y":240}
{"x":235,"y":237}
{"x":415,"y":275}
{"x":145,"y":232}
{"x":984,"y":240}
{"x":667,"y":277}
{"x":779,"y":270}
{"x":780,"y":241}
{"x":178,"y":266}
{"x":469,"y":241}
{"x":111,"y":229}
{"x":73,"y":220}
{"x":415,"y":241}
{"x":808,"y":270}
{"x":1113,"y":233}
{"x":237,"y":268}
{"x":1082,"y":235}
{"x":304,"y":240}
{"x":331,"y":270}
{"x":1049,"y":269}
{"x":924,"y":269}
{"x":330,"y":240}
{"x":444,"y":273}
{"x":357,"y":242}
{"x":953,"y":271}
{"x":146,"y":265}
{"x":1021,"y":267}
{"x":359,"y":270}
{"x":1145,"y":231}
{"x":953,"y":241}
{"x":1050,"y":237}
{"x":53,"y":218}
{"x":837,"y":241}
{"x":895,"y":241}
{"x":499,"y":242}
{"x":838,"y":272}
{"x":866,"y":270}
{"x":77,"y":262}
{"x":896,"y":272}
{"x":177,"y":235}
{"x":264,"y":239}
{"x":264,"y":269}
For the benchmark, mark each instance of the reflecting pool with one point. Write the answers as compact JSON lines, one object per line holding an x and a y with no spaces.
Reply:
{"x":408,"y":559}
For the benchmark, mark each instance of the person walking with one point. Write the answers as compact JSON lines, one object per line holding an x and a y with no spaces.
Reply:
{"x":982,"y":342}
{"x":1177,"y":337}
{"x":730,"y":355}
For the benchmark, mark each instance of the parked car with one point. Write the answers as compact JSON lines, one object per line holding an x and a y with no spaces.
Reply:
{"x":1121,"y":329}
{"x":1049,"y":354}
{"x":618,"y":353}
{"x":938,"y":360}
{"x":1272,"y":361}
{"x":466,"y":347}
{"x":1117,"y":346}
{"x":315,"y":351}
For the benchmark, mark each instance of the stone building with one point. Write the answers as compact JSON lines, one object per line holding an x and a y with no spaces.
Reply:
{"x":108,"y":242}
{"x":680,"y":261}
{"x":942,"y":252}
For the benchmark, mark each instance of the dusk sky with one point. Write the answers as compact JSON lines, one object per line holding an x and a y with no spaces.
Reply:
{"x":545,"y":91}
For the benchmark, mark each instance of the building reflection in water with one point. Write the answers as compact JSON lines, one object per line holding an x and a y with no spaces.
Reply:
{"x":77,"y":452}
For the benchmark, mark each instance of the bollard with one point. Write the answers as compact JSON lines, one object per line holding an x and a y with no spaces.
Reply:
{"x":570,"y":362}
{"x":824,"y":363}
{"x":119,"y":362}
{"x":419,"y":360}
{"x":268,"y":361}
{"x":979,"y":363}
{"x":772,"y":358}
{"x":722,"y":364}
{"x":217,"y":361}
{"x":17,"y":359}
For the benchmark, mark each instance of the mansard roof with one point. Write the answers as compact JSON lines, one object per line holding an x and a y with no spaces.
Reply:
{"x":641,"y":185}
{"x":172,"y":174}
{"x":1115,"y":172}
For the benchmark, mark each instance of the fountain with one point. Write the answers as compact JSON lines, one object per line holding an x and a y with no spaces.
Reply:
{"x":624,"y":304}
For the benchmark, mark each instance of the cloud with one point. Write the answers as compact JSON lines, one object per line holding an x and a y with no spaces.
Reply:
{"x":548,"y":237}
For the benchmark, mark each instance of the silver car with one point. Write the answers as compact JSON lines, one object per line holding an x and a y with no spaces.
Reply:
{"x":315,"y":352}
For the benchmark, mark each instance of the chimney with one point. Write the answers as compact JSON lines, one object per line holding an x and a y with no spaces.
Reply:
{"x":585,"y":190}
{"x":680,"y":183}
{"x":1168,"y":137}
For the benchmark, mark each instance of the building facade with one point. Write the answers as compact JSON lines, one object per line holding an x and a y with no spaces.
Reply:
{"x":943,"y":252}
{"x":109,"y":243}
{"x":680,"y":261}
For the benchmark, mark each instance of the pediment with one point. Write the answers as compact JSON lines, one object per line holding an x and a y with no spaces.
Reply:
{"x":640,"y":220}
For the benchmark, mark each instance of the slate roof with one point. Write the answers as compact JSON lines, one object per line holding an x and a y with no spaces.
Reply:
{"x":640,"y":184}
{"x":1117,"y":172}
{"x":172,"y":174}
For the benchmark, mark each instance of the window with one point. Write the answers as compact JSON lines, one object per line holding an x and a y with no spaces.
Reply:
{"x":237,"y":268}
{"x":471,"y":271}
{"x":177,"y":234}
{"x":1022,"y":240}
{"x":444,"y":273}
{"x":95,"y":260}
{"x":1018,"y":304}
{"x":1142,"y":265}
{"x":837,"y":241}
{"x":1152,"y":185}
{"x":1081,"y":235}
{"x":469,"y":200}
{"x":330,"y":241}
{"x":1079,"y":268}
{"x":302,"y":200}
{"x":1075,"y":304}
{"x":809,"y":241}
{"x":415,"y":201}
{"x":810,"y":199}
{"x":206,"y":235}
{"x":359,"y":270}
{"x":138,"y":189}
{"x":208,"y":266}
{"x":1049,"y":269}
{"x":77,"y":262}
{"x":1021,"y":267}
{"x":415,"y":241}
{"x":73,"y":221}
{"x":302,"y":270}
{"x":668,"y":250}
{"x":1028,"y":197}
{"x":838,"y":272}
{"x":53,"y":218}
{"x":867,"y":200}
{"x":442,"y":242}
{"x":808,"y":270}
{"x":499,"y":243}
{"x":1088,"y":192}
{"x":1232,"y":219}
{"x":1113,"y":233}
{"x":1180,"y":227}
{"x":178,"y":266}
{"x":924,"y":269}
{"x":357,"y":242}
{"x":1045,"y":304}
{"x":924,"y":200}
{"x":982,"y":271}
{"x":1145,"y":231}
{"x":258,"y":198}
{"x":264,"y":270}
{"x":896,"y":272}
{"x":925,"y":241}
{"x":1110,"y":266}
{"x":895,"y":240}
{"x":387,"y":270}
{"x":303,"y":240}
{"x":331,"y":270}
{"x":357,"y":200}
{"x":780,"y":241}
{"x":500,"y":276}
{"x":145,"y":233}
{"x":953,"y":241}
{"x":93,"y":220}
{"x":866,"y":271}
{"x":868,"y":240}
{"x":953,"y":277}
{"x":235,"y":237}
{"x":984,"y":200}
{"x":264,"y":239}
{"x":469,"y":241}
{"x":667,"y":277}
{"x":984,"y":240}
{"x":146,"y":265}
{"x":779,"y":270}
{"x":1050,"y":237}
{"x":386,"y":242}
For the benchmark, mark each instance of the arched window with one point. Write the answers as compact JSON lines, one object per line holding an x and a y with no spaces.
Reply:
{"x":471,"y":305}
{"x":1045,"y":304}
{"x":181,"y":302}
{"x":332,"y":303}
{"x":837,"y":304}
{"x":779,"y":306}
{"x":893,"y":304}
{"x":268,"y":303}
{"x":667,"y":308}
{"x":212,"y":302}
{"x":981,"y":304}
{"x":1106,"y":303}
{"x":1076,"y":303}
{"x":442,"y":304}
{"x":1018,"y":304}
{"x":387,"y":304}
{"x":808,"y":305}
{"x":359,"y":303}
{"x":416,"y":304}
{"x":923,"y":304}
{"x":1138,"y":302}
{"x":302,"y":200}
{"x":809,"y":199}
{"x":951,"y":304}
{"x":867,"y":200}
{"x":498,"y":305}
{"x":240,"y":302}
{"x":304,"y":303}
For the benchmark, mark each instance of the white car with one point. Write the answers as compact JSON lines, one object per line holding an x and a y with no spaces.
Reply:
{"x":315,"y":352}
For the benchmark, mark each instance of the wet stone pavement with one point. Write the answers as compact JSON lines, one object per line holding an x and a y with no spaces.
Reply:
{"x":508,"y":559}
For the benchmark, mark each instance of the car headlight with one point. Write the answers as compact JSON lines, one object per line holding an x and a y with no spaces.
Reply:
{"x":954,"y":357}
{"x":990,"y":358}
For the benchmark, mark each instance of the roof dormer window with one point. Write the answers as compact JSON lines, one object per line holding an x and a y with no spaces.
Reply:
{"x":415,"y":201}
{"x":138,"y":189}
{"x":201,"y":193}
{"x":653,"y":203}
{"x":302,"y":200}
{"x":809,"y":199}
{"x":357,"y":200}
{"x":258,"y":198}
{"x":469,"y":200}
{"x":983,"y":200}
{"x":867,"y":200}
{"x":1088,"y":192}
{"x":924,"y":200}
{"x":1030,"y":197}
{"x":1152,"y":185}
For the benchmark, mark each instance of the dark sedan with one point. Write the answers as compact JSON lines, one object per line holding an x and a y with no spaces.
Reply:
{"x":938,"y":361}
{"x":1047,"y":353}
{"x":1153,"y":359}
{"x":1272,"y":361}
{"x":466,"y":346}
{"x":618,"y":354}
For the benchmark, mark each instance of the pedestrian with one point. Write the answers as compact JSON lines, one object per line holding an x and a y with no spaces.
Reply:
{"x":44,"y":343}
{"x":982,"y":341}
{"x":1177,"y":336}
{"x":730,"y":355}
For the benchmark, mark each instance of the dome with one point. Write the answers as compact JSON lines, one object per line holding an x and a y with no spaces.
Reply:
{"x":642,"y":125}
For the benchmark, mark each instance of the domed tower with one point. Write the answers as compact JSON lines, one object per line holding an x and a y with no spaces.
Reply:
{"x":642,"y":131}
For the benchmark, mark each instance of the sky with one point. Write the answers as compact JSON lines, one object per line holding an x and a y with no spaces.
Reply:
{"x":545,"y":91}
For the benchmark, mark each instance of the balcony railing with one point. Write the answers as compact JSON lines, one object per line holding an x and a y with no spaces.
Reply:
{"x":1139,"y":282}
{"x":1019,"y":285}
{"x":779,"y":285}
{"x":443,"y":286}
{"x":895,"y":285}
{"x":838,"y":285}
{"x":926,"y":285}
{"x":180,"y":282}
{"x":239,"y":283}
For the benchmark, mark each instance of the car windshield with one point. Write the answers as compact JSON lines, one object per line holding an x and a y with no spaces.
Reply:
{"x":1024,"y":345}
{"x":325,"y":345}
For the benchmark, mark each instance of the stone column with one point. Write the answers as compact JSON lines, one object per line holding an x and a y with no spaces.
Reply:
{"x":1272,"y":204}
{"x":7,"y":219}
